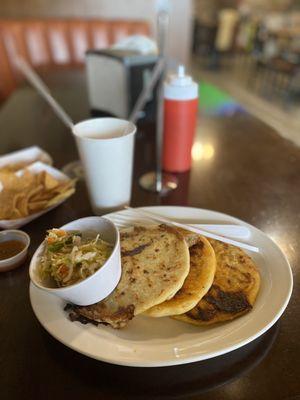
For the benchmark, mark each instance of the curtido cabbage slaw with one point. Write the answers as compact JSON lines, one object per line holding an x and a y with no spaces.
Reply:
{"x":69,"y":258}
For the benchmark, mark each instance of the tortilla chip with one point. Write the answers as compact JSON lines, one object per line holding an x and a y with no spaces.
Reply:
{"x":35,"y":191}
{"x":6,"y":201}
{"x":8,"y":180}
{"x":22,"y":204}
{"x":60,"y":197}
{"x":26,"y":192}
{"x":15,"y":200}
{"x":40,"y":178}
{"x":27,"y":178}
{"x":15,"y":214}
{"x":64,"y":186}
{"x":41,"y":196}
{"x":36,"y":206}
{"x":50,"y":182}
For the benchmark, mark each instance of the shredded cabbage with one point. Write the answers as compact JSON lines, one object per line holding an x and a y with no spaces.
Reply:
{"x":69,"y":258}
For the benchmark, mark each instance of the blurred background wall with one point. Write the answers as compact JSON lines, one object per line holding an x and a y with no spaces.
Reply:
{"x":180,"y":19}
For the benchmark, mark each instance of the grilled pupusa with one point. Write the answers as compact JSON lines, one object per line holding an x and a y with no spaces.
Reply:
{"x":196,"y":284}
{"x":234,"y":289}
{"x":155,"y":263}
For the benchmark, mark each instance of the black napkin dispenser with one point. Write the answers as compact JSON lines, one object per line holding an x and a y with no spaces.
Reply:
{"x":115,"y":78}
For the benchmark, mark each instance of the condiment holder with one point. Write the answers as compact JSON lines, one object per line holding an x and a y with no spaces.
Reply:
{"x":16,"y":260}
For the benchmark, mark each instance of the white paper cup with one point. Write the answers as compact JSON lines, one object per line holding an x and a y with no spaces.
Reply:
{"x":107,"y":157}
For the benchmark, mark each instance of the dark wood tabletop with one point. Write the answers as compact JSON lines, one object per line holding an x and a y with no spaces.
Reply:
{"x":247,"y":171}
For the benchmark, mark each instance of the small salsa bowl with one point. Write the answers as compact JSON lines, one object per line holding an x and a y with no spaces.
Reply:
{"x":97,"y":286}
{"x":15,"y":261}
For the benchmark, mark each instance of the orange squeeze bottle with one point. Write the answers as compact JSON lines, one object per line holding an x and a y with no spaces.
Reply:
{"x":180,"y":117}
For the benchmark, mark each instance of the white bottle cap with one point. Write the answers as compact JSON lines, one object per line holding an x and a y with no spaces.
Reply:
{"x":180,"y":86}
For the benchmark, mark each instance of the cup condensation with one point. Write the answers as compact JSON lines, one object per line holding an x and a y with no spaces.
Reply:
{"x":106,"y":149}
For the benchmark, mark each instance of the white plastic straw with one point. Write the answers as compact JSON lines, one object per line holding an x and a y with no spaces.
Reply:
{"x":146,"y":92}
{"x":144,"y":95}
{"x":43,"y":90}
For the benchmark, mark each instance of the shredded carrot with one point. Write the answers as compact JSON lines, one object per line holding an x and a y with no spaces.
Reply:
{"x":63,"y":270}
{"x":60,"y":232}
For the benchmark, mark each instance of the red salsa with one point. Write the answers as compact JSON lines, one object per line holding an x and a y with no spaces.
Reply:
{"x":10,"y":248}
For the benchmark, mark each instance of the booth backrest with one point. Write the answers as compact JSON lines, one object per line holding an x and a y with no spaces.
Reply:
{"x":56,"y":42}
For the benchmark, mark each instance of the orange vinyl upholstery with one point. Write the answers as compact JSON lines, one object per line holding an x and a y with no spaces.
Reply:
{"x":56,"y":42}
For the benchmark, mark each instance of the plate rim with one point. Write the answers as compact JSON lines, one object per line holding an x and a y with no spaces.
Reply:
{"x":185,"y":359}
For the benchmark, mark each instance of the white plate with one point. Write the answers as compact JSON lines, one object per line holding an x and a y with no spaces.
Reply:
{"x":150,"y":342}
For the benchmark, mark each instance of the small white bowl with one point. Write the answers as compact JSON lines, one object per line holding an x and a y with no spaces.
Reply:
{"x":15,"y":261}
{"x":97,"y":286}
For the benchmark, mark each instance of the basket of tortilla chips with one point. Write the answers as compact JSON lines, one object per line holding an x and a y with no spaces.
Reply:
{"x":30,"y":192}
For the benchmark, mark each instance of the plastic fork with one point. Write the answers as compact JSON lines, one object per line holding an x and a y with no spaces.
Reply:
{"x":161,"y":219}
{"x":122,"y":220}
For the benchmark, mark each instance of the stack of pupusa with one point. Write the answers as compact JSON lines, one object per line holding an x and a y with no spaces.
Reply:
{"x":172,"y":272}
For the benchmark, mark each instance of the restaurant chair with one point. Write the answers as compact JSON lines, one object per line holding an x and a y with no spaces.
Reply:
{"x":56,"y":43}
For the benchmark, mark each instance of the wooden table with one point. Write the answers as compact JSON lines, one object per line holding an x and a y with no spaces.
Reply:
{"x":243,"y":168}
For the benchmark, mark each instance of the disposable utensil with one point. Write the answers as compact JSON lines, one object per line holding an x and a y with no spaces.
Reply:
{"x":145,"y":93}
{"x":165,"y":220}
{"x":230,"y":231}
{"x":122,"y":220}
